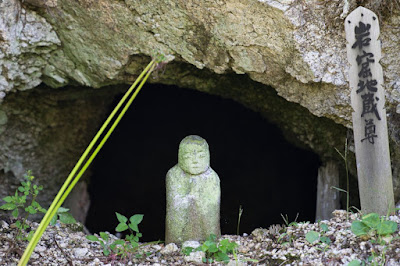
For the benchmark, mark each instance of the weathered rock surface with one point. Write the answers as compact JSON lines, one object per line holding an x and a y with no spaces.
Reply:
{"x":295,"y":46}
{"x":46,"y":132}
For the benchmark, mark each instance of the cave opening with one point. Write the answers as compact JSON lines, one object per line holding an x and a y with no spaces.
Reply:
{"x":258,"y":169}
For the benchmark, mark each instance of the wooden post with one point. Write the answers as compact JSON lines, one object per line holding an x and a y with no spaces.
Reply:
{"x":369,"y":116}
{"x":328,"y":198}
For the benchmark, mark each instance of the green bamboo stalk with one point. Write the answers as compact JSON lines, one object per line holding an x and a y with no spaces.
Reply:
{"x":68,"y":186}
{"x":103,"y":141}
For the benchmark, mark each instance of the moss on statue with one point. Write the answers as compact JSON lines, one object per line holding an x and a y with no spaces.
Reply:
{"x":193,"y":194}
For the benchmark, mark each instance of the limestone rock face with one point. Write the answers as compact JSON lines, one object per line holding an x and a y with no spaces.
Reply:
{"x":239,"y":49}
{"x":46,"y":132}
{"x":26,"y":41}
{"x":295,"y":46}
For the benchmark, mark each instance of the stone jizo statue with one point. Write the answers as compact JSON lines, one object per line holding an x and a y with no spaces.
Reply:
{"x":193,"y":194}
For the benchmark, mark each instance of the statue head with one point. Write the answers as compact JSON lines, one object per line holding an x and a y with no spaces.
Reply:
{"x":193,"y":155}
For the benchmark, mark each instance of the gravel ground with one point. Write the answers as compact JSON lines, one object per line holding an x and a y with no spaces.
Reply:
{"x":278,"y":245}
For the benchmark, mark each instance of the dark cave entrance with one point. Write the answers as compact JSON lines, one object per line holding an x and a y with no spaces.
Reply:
{"x":259,"y":170}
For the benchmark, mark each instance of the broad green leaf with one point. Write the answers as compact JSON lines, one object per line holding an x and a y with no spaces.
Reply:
{"x":30,"y":209}
{"x":121,"y":227}
{"x":359,"y":228}
{"x":325,"y":239}
{"x":15,"y":213}
{"x":134,"y":244}
{"x":231,"y":246}
{"x":8,"y":199}
{"x":324,"y":227}
{"x":211,"y":246}
{"x":139,"y":234}
{"x":221,"y":256}
{"x":62,"y":209}
{"x":30,"y":235}
{"x":187,"y":250}
{"x":224,"y":242}
{"x":203,"y":248}
{"x":66,"y":218}
{"x":223,"y":245}
{"x":121,"y":218}
{"x":354,"y":263}
{"x":312,"y":236}
{"x":119,"y":242}
{"x":386,"y":228}
{"x":212,"y":238}
{"x":372,"y":220}
{"x":136,"y":219}
{"x":104,"y":236}
{"x":106,"y":251}
{"x":134,"y":227}
{"x":21,"y":189}
{"x":8,"y":206}
{"x":18,"y":224}
{"x":112,"y":246}
{"x":53,"y":220}
{"x":92,"y":238}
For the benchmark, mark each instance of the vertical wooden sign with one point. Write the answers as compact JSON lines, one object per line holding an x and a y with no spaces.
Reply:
{"x":369,"y":116}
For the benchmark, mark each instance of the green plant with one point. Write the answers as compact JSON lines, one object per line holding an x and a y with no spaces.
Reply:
{"x":24,"y":199}
{"x":372,"y":224}
{"x":104,"y":241}
{"x":64,"y":216}
{"x":213,"y":250}
{"x":240,"y":215}
{"x":344,"y":157}
{"x":84,"y":161}
{"x":355,"y":263}
{"x":319,"y":238}
{"x":30,"y":190}
{"x":121,"y":247}
{"x":286,"y":220}
{"x":285,"y":239}
{"x":375,"y":259}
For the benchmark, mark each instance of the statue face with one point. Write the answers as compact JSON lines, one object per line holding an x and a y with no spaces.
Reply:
{"x":194,"y":158}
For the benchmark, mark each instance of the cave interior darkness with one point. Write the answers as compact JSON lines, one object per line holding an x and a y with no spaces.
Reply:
{"x":258,"y":169}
